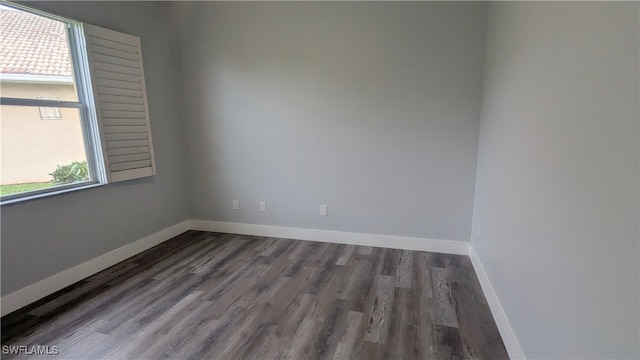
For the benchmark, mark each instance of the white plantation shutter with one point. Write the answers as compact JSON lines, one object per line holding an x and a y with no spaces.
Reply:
{"x":117,"y":77}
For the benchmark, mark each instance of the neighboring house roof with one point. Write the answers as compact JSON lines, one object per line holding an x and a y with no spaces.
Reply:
{"x":32,"y":45}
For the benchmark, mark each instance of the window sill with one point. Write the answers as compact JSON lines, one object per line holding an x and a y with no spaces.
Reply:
{"x":47,"y":193}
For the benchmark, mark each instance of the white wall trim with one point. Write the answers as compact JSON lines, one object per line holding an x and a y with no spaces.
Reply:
{"x":45,"y":287}
{"x":48,"y":286}
{"x":499,"y":316}
{"x":340,"y":237}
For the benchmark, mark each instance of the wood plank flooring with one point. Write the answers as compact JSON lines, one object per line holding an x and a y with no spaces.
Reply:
{"x":208,"y":295}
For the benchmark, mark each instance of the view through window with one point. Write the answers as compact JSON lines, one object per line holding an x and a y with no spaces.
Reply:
{"x":42,"y":137}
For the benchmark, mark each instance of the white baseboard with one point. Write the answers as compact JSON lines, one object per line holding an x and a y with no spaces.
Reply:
{"x":40,"y":289}
{"x":502,"y":322}
{"x":48,"y":286}
{"x":340,"y":237}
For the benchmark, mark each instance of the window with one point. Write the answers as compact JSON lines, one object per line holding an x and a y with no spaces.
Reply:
{"x":89,"y":80}
{"x":49,"y":113}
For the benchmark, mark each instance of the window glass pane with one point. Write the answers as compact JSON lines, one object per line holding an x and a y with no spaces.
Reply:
{"x":32,"y":149}
{"x":35,"y":60}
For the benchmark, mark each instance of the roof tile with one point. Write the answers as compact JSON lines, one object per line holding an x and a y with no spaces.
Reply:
{"x":31,"y":44}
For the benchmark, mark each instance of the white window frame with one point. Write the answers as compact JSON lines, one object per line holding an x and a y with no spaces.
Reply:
{"x":109,"y":127}
{"x":84,"y":105}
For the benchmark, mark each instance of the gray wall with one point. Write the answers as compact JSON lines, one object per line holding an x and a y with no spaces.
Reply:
{"x":43,"y":237}
{"x":373,"y":108}
{"x":556,"y":209}
{"x":370,"y":108}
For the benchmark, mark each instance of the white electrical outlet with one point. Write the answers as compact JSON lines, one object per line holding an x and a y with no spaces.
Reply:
{"x":236,"y":206}
{"x":263,"y":206}
{"x":323,"y":210}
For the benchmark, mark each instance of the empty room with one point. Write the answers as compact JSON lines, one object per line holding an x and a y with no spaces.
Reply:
{"x":320,"y":180}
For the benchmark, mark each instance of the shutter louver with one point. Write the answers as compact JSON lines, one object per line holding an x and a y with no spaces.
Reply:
{"x":117,"y":77}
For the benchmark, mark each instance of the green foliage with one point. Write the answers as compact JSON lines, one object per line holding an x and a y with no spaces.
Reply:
{"x":67,"y":174}
{"x":20,"y":188}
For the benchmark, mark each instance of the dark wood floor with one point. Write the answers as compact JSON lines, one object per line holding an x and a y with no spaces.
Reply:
{"x":218,"y":296}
